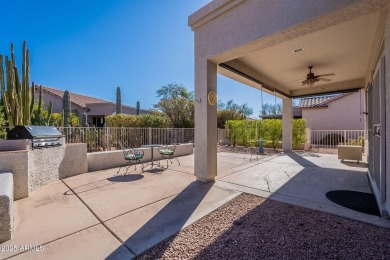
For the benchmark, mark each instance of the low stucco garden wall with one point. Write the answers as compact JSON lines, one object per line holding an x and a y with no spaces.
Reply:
{"x":32,"y":169}
{"x":6,"y":206}
{"x":111,"y":159}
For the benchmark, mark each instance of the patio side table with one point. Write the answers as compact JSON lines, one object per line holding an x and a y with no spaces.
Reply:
{"x":152,"y":148}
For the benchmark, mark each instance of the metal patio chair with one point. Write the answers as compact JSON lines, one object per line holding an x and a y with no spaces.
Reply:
{"x":132,"y":157}
{"x":167,"y":152}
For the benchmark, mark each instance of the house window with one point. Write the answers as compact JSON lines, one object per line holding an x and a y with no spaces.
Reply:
{"x":98,"y":121}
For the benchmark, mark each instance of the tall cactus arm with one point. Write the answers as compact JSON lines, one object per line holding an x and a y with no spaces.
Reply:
{"x":49,"y":111}
{"x":3,"y":92}
{"x":29,"y":95}
{"x":40,"y":100}
{"x":12,"y":53}
{"x":32,"y":98}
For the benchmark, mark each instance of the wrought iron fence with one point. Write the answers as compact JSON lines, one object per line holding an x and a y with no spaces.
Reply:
{"x":107,"y":138}
{"x":329,"y":139}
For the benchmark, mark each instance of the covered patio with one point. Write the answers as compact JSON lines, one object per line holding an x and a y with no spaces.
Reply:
{"x":99,"y":214}
{"x":271,"y":45}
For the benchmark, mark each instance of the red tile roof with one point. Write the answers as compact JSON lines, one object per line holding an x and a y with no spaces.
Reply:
{"x":75,"y":98}
{"x":318,"y":101}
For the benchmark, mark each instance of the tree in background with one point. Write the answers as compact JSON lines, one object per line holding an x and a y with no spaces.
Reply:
{"x":231,"y":111}
{"x":270,"y":109}
{"x":177,"y":103}
{"x":146,"y":120}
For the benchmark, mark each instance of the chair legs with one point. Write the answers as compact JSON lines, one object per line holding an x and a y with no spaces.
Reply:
{"x":169,"y":159}
{"x":129,"y":165}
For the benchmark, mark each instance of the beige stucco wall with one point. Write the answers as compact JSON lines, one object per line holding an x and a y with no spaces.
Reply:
{"x":110,"y":109}
{"x":111,"y":159}
{"x":341,"y":114}
{"x":16,"y":162}
{"x":245,"y":25}
{"x":34,"y":168}
{"x":57,"y":103}
{"x":51,"y":164}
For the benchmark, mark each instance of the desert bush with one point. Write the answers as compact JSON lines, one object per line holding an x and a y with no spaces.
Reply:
{"x":247,"y":132}
{"x":299,"y":132}
{"x":146,"y":120}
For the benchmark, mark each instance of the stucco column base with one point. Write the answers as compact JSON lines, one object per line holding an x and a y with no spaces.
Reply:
{"x":204,"y":180}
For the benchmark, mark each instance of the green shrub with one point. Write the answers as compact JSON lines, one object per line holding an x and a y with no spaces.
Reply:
{"x":123,"y":120}
{"x":299,"y":132}
{"x":358,"y":141}
{"x":56,"y":120}
{"x":153,"y":120}
{"x":146,"y":120}
{"x":247,"y":132}
{"x":332,"y":139}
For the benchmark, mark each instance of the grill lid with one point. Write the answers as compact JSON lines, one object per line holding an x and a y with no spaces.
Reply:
{"x":33,"y":132}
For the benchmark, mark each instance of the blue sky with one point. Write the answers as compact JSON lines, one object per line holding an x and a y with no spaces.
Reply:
{"x":91,"y":47}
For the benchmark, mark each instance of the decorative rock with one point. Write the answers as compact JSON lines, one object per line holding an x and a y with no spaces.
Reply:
{"x":237,"y":222}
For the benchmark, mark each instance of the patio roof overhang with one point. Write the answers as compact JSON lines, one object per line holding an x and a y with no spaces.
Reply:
{"x":257,"y":48}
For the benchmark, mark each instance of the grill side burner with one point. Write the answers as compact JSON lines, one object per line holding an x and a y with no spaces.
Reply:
{"x":40,"y":136}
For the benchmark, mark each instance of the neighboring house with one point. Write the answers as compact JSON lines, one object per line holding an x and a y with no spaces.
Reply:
{"x":97,"y":109}
{"x":337,"y":112}
{"x":297,"y":114}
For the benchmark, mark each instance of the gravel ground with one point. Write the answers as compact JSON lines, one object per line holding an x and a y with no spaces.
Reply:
{"x":251,"y":227}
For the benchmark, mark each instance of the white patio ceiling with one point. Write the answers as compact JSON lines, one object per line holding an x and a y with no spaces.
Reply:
{"x":344,"y":49}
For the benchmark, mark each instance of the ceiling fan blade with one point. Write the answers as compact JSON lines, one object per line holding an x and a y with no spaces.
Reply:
{"x":323,"y":79}
{"x":295,"y":80}
{"x":324,"y":75}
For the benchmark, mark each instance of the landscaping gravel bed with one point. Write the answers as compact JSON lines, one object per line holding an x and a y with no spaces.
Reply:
{"x":251,"y":227}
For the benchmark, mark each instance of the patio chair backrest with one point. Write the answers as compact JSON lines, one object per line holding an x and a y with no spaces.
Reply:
{"x":135,"y":154}
{"x":174,"y":143}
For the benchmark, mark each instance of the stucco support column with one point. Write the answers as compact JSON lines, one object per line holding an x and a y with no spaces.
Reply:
{"x":287,"y":117}
{"x":387,"y":103}
{"x":205,"y":121}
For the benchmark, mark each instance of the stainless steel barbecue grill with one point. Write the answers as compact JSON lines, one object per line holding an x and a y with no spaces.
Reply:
{"x":40,"y":136}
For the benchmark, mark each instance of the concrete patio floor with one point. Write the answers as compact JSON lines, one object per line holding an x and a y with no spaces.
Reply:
{"x":99,"y":215}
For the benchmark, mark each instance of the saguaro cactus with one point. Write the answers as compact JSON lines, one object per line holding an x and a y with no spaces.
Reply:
{"x":17,"y":97}
{"x":37,"y":118}
{"x":118,"y":101}
{"x":138,"y":107}
{"x":66,"y":108}
{"x":84,"y":120}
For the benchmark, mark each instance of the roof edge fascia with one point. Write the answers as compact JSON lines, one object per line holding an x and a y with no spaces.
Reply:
{"x":210,"y":11}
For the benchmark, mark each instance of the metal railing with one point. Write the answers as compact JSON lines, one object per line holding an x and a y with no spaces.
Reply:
{"x":223,"y":135}
{"x":329,"y":139}
{"x":107,"y":138}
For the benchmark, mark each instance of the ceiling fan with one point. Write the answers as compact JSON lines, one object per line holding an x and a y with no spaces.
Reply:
{"x":311,"y":78}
